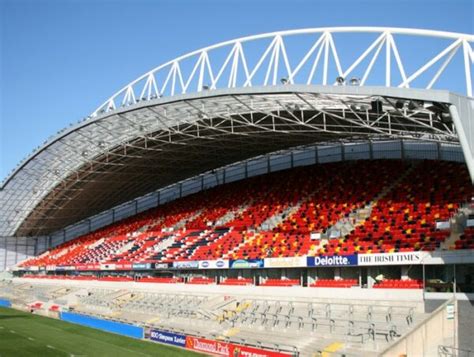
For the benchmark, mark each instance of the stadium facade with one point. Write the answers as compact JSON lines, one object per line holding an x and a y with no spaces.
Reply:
{"x":266,"y":104}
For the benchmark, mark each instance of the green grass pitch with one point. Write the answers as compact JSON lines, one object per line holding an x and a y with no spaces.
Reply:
{"x":23,"y":334}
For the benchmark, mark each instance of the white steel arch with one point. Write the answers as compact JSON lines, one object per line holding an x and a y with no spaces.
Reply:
{"x":200,"y":70}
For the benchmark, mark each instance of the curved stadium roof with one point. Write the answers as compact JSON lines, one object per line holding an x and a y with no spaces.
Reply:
{"x":237,"y":100}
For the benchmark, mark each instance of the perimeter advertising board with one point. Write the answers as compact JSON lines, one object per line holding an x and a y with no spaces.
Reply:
{"x":391,"y":258}
{"x":214,"y":264}
{"x":169,"y":338}
{"x":228,"y":349}
{"x":107,"y":267}
{"x":207,"y":346}
{"x":141,"y":266}
{"x":186,"y":265}
{"x":245,"y":264}
{"x":332,"y":261}
{"x":161,"y":266}
{"x":244,"y":351}
{"x":289,"y":262}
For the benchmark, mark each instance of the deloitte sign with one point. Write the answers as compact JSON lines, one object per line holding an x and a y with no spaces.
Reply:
{"x":332,"y":261}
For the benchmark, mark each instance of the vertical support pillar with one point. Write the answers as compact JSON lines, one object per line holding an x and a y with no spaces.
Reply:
{"x":371,"y":150}
{"x":268,"y":164}
{"x":404,"y":275}
{"x":16,"y":250}
{"x":246,"y":168}
{"x":402,"y":149}
{"x":316,"y":155}
{"x":5,"y":254}
{"x":292,"y":160}
{"x":343,"y":152}
{"x":35,"y":247}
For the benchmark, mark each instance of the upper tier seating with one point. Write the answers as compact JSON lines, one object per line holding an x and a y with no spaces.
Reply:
{"x":466,"y":240}
{"x":404,"y":219}
{"x":273,"y":215}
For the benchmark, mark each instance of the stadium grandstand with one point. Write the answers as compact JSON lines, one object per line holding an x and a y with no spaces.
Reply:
{"x":275,"y":195}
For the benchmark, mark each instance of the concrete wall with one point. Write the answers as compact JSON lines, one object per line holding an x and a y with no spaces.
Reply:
{"x":466,"y":323}
{"x":424,"y":340}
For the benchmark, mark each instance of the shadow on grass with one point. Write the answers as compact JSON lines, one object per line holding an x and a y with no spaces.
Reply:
{"x":6,"y":317}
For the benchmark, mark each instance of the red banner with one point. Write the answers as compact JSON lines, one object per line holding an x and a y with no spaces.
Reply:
{"x":228,"y":349}
{"x":208,"y":346}
{"x":245,"y":351}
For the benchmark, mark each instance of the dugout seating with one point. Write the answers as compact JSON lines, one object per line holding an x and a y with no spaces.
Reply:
{"x":399,"y":284}
{"x":201,"y":280}
{"x":281,"y":282}
{"x":237,"y":281}
{"x":334,"y":283}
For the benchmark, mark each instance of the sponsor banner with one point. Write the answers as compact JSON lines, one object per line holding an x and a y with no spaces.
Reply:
{"x":208,"y":346}
{"x":81,"y":267}
{"x":170,"y":338}
{"x":50,"y":267}
{"x":93,"y":267}
{"x":186,"y":265}
{"x":288,"y":262}
{"x":213,"y":264}
{"x":161,"y":266}
{"x":245,"y":351}
{"x":59,"y":268}
{"x":141,"y":266}
{"x":243,"y":264}
{"x":332,"y":261}
{"x":107,"y":266}
{"x":123,"y":266}
{"x":32,"y":268}
{"x":391,"y":258}
{"x":71,"y":267}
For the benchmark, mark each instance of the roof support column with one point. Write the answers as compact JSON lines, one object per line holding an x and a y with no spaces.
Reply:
{"x":465,"y":130}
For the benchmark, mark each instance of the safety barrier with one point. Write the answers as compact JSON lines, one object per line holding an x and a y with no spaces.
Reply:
{"x":105,"y":325}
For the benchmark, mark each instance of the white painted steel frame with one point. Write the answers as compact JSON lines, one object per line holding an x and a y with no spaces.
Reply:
{"x":165,"y":103}
{"x":233,"y":69}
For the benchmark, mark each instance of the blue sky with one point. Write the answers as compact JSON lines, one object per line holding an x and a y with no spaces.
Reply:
{"x":60,"y":59}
